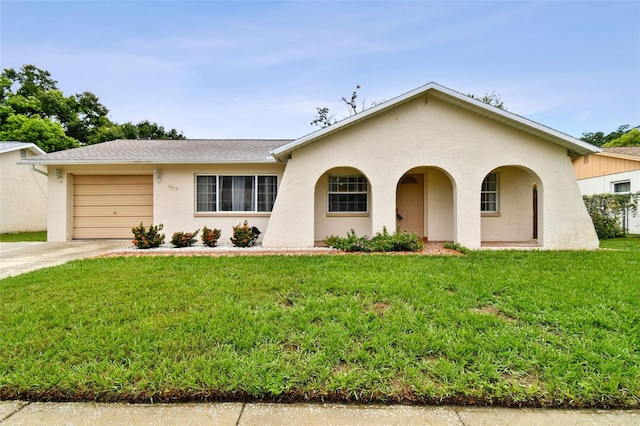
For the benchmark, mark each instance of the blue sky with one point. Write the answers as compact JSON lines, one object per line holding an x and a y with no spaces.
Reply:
{"x":242,"y":69}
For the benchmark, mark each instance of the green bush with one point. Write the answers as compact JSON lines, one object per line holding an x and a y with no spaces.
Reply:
{"x":184,"y":239}
{"x":244,"y":235}
{"x":381,"y":242}
{"x":147,"y":238}
{"x":210,"y":236}
{"x":607,"y":212}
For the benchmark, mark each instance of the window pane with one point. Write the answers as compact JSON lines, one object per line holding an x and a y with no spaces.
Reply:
{"x":622,"y":187}
{"x":206,"y":193}
{"x":489,"y":194}
{"x":267,"y":191}
{"x":237,"y":193}
{"x":347,"y":193}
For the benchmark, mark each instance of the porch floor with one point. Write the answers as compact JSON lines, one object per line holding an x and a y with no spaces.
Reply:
{"x":507,"y":244}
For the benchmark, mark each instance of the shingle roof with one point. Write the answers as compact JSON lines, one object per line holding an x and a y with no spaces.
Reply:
{"x":8,"y":146}
{"x":126,"y":151}
{"x":631,"y":151}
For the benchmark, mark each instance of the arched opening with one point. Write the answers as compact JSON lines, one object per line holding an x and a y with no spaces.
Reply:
{"x":342,"y":202}
{"x":510,"y":207}
{"x":424,"y":204}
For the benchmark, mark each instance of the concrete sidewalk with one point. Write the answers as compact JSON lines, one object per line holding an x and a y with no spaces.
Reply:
{"x":231,"y":413}
{"x":21,"y":257}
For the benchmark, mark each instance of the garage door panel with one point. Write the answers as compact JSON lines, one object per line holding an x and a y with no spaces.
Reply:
{"x":111,"y":221}
{"x":93,"y":233}
{"x":109,"y":206}
{"x":112,"y":189}
{"x":114,"y":200}
{"x":107,"y":211}
{"x":111,"y":179}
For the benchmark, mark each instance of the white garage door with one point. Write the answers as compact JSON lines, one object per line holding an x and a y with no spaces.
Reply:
{"x":109,"y":206}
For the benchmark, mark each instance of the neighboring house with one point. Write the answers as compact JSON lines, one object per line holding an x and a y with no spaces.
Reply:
{"x":614,"y":170}
{"x":23,"y":191}
{"x":431,"y":161}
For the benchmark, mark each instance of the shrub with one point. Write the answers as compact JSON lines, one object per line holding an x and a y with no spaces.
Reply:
{"x":244,"y":235}
{"x":147,"y":238}
{"x":608,"y":212}
{"x":381,"y":242}
{"x":457,"y":247}
{"x":184,"y":239}
{"x":210,"y":236}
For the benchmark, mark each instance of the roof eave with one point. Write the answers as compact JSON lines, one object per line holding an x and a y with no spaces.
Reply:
{"x":133,"y":162}
{"x":621,"y":156}
{"x":33,"y":147}
{"x":575,"y":147}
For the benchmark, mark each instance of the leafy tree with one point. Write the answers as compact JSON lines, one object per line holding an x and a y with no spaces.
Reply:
{"x":600,"y":139}
{"x":33,"y":109}
{"x":49,"y":135}
{"x":631,"y":138}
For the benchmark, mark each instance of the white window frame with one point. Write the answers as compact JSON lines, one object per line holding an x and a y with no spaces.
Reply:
{"x":484,"y":191}
{"x":621,"y":182}
{"x":218,"y":193}
{"x":346,"y":191}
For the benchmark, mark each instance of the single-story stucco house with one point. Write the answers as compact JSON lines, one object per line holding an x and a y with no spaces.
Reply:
{"x":612,"y":171}
{"x":23,"y":190}
{"x":431,"y":161}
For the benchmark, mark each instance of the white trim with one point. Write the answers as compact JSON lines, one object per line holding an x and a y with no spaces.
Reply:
{"x":16,"y":145}
{"x":45,"y":161}
{"x":618,"y":182}
{"x":329,"y":192}
{"x":218,"y":193}
{"x":572,"y":144}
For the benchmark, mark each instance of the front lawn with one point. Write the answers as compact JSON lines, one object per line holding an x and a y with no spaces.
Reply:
{"x":23,"y":236}
{"x":509,"y":328}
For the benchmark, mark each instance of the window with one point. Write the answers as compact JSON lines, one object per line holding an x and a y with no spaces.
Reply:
{"x":347,"y":194}
{"x":216,"y":193}
{"x":622,"y":187}
{"x":489,"y":194}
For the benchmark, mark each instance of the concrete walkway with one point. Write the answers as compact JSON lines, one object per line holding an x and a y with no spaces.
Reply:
{"x":18,"y":258}
{"x":231,"y":413}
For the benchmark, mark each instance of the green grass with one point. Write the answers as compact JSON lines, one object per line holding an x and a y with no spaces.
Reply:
{"x":23,"y":236}
{"x":505,"y":327}
{"x":631,"y":242}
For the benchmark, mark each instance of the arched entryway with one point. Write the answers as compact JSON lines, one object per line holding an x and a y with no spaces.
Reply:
{"x":510,"y":207}
{"x":424,"y":204}
{"x":342,"y":202}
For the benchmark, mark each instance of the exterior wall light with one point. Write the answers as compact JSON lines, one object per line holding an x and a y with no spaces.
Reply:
{"x":57,"y":173}
{"x":156,"y":174}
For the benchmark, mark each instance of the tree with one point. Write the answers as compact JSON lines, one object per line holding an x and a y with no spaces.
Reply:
{"x":325,"y":119}
{"x":600,"y":139}
{"x":47,"y":134}
{"x":492,"y":99}
{"x":33,"y":109}
{"x":631,"y":138}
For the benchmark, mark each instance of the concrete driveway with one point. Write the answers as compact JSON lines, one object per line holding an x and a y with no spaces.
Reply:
{"x":18,"y":258}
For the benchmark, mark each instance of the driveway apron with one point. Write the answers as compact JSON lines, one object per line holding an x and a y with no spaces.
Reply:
{"x":21,"y":257}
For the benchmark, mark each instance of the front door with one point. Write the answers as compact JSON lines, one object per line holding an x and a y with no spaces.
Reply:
{"x":410,"y":204}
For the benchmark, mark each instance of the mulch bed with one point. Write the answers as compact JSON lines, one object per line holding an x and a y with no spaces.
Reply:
{"x":430,"y":249}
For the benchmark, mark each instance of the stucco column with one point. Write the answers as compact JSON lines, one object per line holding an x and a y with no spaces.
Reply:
{"x":466,"y":206}
{"x":59,"y":207}
{"x":382,"y":204}
{"x":292,"y":219}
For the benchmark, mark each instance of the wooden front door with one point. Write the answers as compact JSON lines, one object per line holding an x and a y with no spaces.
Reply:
{"x":410,"y":204}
